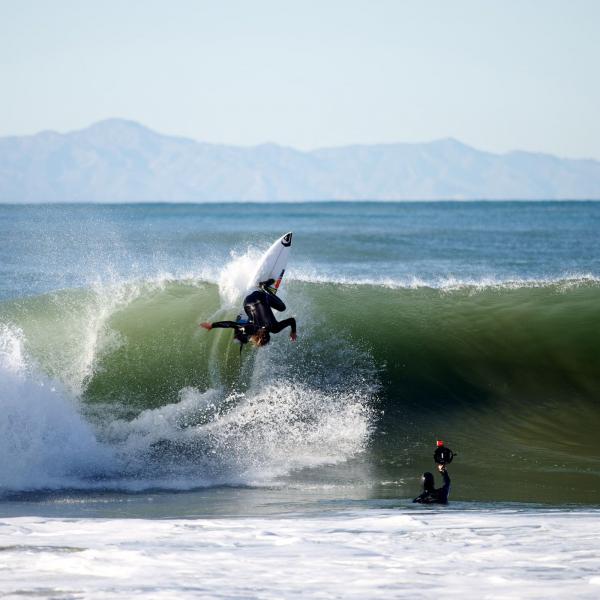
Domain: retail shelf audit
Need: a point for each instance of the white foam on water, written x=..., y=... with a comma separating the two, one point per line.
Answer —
x=402, y=553
x=44, y=441
x=211, y=438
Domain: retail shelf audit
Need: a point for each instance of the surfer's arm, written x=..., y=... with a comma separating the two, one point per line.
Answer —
x=445, y=489
x=221, y=325
x=280, y=325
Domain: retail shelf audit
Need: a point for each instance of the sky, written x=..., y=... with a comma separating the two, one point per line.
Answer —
x=497, y=75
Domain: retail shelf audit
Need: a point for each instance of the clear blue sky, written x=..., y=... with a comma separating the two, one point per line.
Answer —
x=499, y=75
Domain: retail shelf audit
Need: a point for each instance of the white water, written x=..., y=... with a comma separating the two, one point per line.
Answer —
x=209, y=437
x=44, y=442
x=401, y=553
x=267, y=434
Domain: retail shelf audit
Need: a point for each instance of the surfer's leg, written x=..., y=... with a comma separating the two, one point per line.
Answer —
x=249, y=312
x=266, y=284
x=275, y=302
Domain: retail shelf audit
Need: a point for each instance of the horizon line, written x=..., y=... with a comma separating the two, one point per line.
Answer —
x=261, y=202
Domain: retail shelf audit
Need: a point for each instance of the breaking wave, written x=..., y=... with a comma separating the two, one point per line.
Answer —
x=116, y=386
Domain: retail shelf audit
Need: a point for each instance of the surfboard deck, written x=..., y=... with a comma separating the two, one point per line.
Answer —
x=272, y=264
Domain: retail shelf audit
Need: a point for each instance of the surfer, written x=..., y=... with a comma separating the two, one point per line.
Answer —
x=430, y=494
x=261, y=322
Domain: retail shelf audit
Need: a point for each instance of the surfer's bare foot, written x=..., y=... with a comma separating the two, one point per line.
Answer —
x=206, y=326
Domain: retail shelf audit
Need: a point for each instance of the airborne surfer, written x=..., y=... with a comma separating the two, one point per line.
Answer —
x=261, y=321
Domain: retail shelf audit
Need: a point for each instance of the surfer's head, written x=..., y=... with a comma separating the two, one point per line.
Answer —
x=261, y=338
x=428, y=482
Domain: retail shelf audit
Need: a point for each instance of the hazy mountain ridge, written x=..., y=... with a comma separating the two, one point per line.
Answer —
x=122, y=161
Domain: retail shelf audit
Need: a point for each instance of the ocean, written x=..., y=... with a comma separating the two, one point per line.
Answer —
x=144, y=456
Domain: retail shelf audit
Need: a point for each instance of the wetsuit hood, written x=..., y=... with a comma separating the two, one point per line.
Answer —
x=240, y=337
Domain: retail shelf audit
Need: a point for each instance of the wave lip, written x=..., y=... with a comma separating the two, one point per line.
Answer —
x=448, y=283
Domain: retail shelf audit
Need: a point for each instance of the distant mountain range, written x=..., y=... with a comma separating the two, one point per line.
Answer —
x=122, y=161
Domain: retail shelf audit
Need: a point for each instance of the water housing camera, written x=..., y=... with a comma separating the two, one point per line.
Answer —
x=442, y=455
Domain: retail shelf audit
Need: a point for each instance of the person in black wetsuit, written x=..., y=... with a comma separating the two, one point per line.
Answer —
x=258, y=306
x=430, y=494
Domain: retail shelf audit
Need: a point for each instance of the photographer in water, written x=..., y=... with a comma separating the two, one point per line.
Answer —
x=431, y=494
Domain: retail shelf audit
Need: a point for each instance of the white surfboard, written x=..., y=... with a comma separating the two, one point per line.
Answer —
x=273, y=263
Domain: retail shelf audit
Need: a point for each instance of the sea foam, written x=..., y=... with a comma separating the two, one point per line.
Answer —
x=466, y=553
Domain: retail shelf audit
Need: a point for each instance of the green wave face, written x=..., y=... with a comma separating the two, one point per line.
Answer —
x=507, y=375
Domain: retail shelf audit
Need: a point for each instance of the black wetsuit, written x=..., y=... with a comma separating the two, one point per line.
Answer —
x=259, y=307
x=436, y=496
